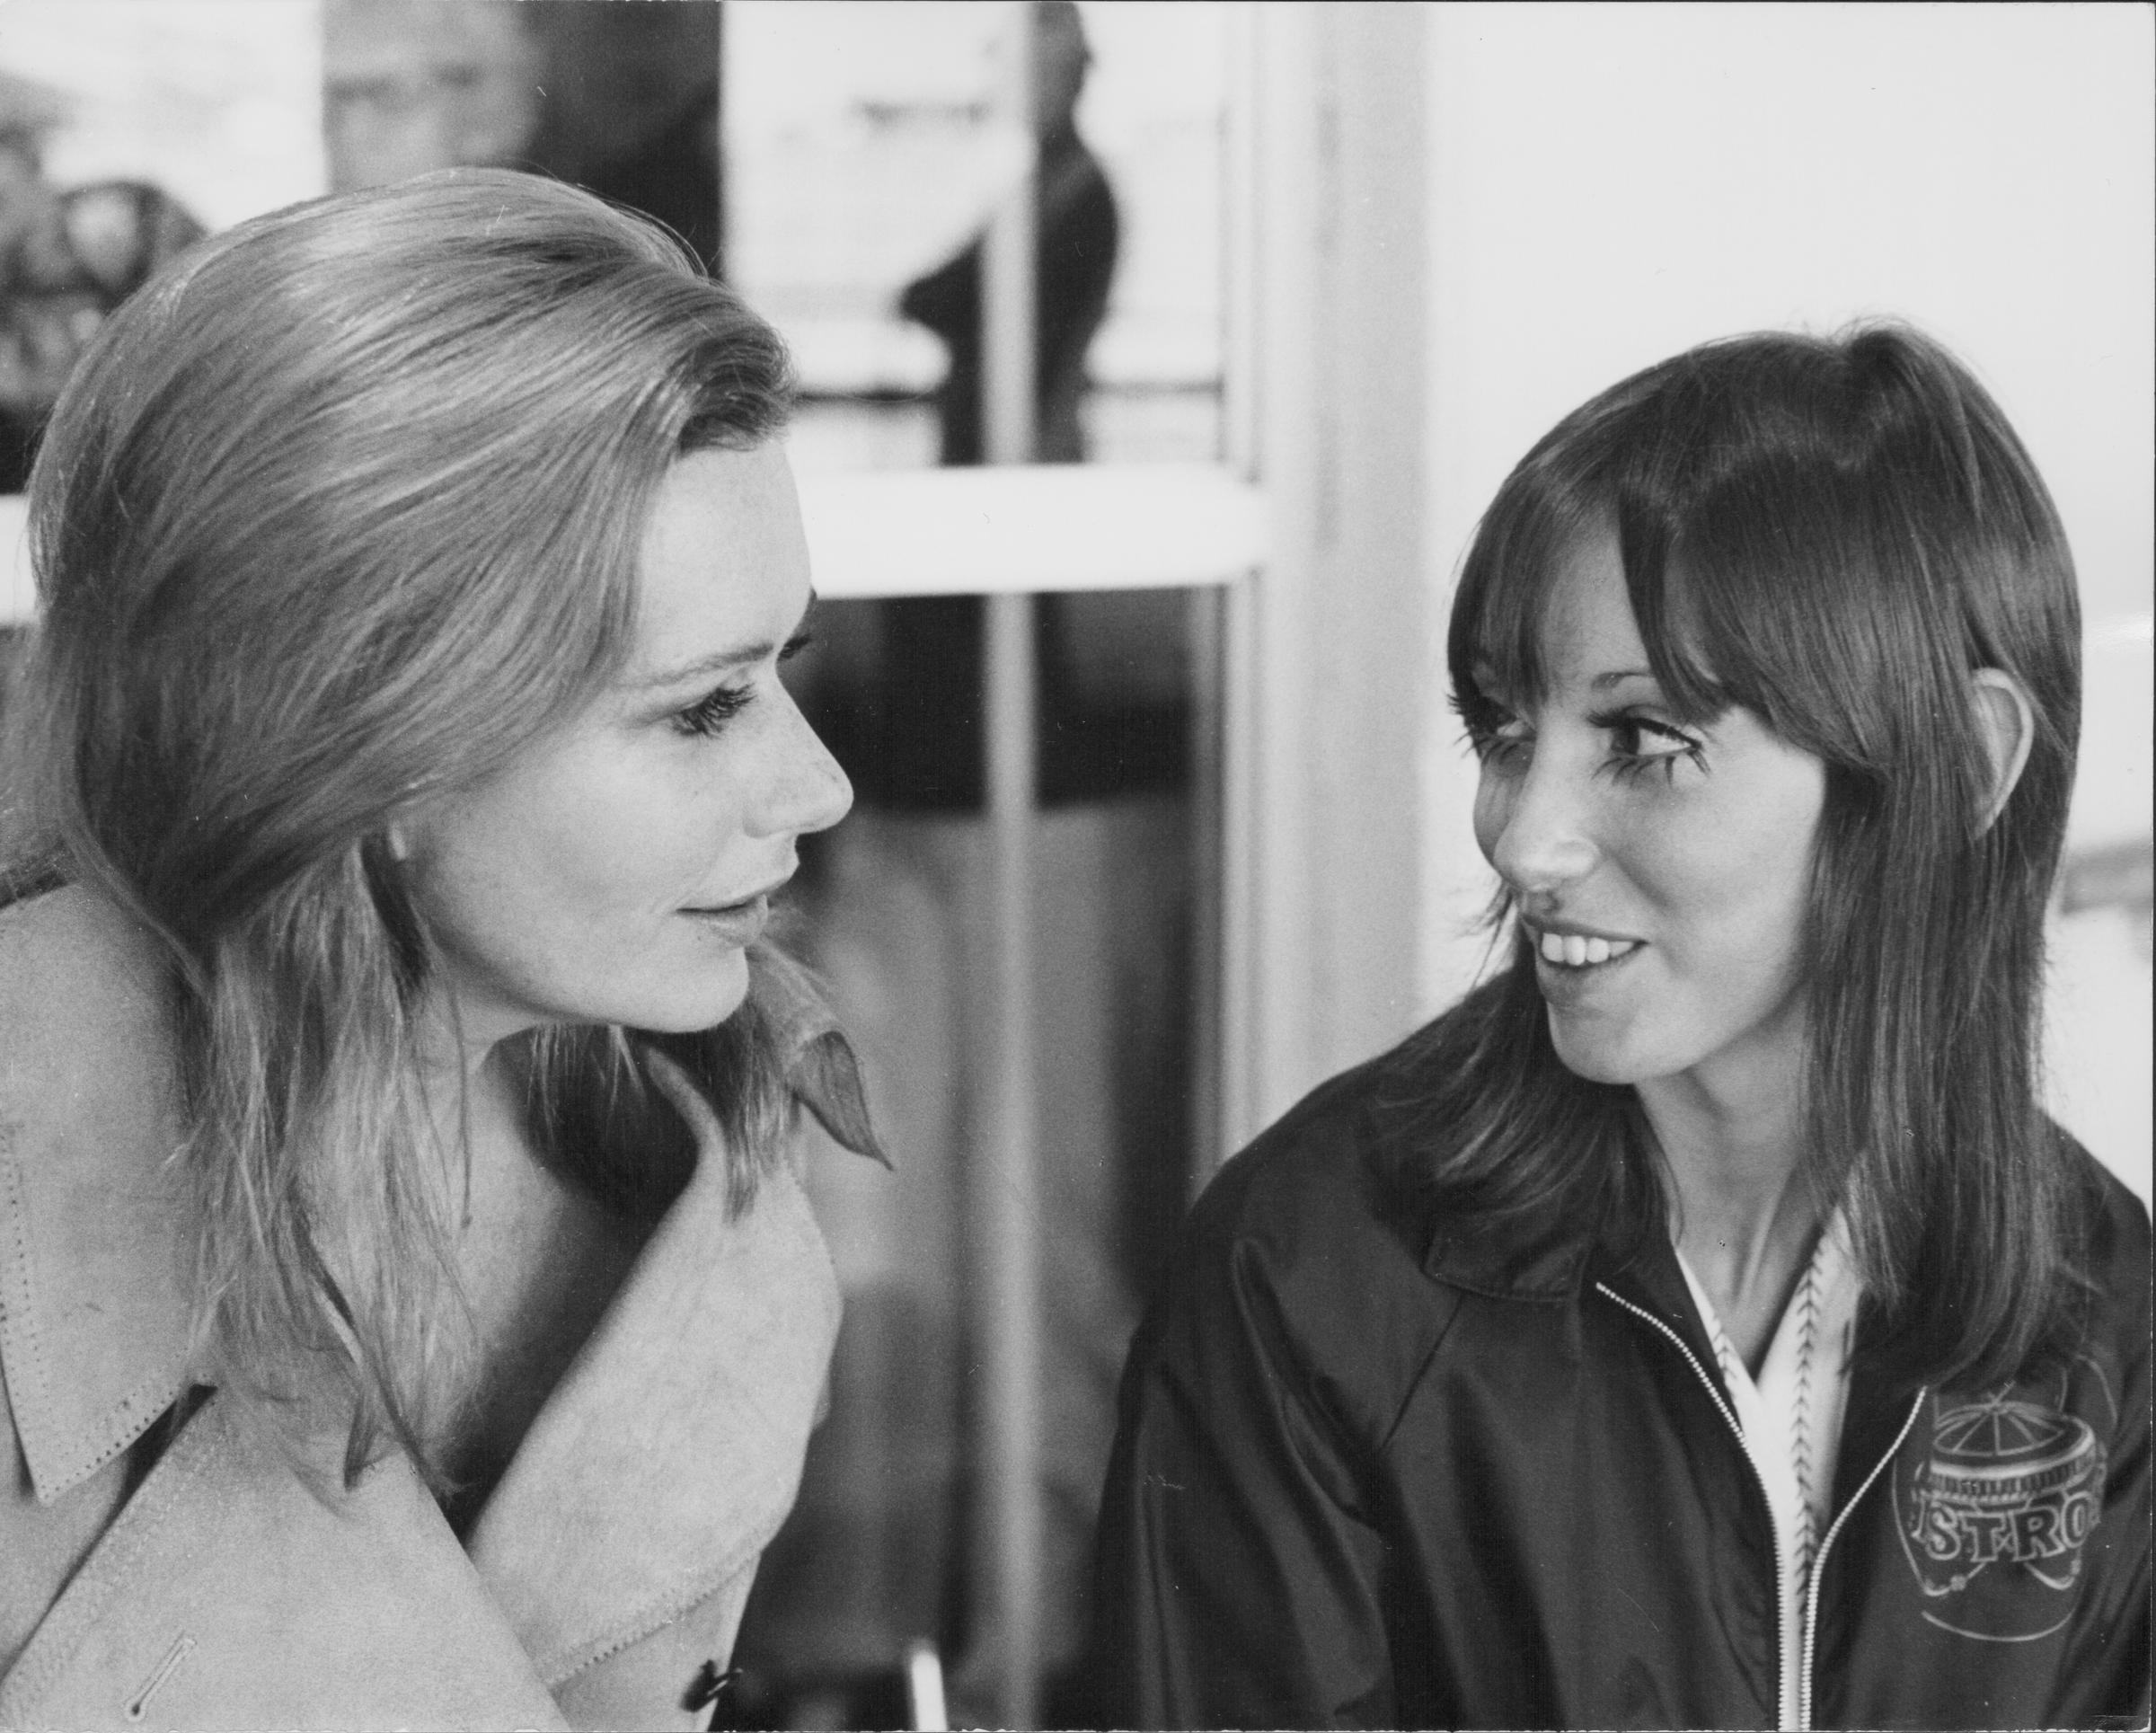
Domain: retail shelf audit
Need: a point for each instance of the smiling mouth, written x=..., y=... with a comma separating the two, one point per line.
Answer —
x=1573, y=950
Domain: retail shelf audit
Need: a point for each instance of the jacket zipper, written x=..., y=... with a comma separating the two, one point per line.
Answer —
x=1811, y=1586
x=1787, y=1703
x=1795, y=1708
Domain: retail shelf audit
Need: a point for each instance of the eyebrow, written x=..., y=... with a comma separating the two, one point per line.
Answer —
x=1618, y=677
x=724, y=660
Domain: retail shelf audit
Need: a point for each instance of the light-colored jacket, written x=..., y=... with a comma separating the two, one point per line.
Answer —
x=612, y=1560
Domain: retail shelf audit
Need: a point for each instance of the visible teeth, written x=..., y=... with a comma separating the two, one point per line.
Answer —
x=1572, y=950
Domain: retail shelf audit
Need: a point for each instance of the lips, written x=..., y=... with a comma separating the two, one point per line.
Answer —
x=744, y=906
x=741, y=922
x=1579, y=947
x=756, y=901
x=735, y=924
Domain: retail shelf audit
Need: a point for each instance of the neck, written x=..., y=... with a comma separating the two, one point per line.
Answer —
x=474, y=1099
x=1745, y=1220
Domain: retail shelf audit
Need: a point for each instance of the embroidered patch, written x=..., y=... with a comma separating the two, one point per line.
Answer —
x=1993, y=1518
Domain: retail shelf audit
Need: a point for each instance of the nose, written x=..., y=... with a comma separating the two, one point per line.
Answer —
x=1536, y=828
x=807, y=791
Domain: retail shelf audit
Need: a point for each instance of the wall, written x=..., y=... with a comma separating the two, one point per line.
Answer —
x=1327, y=280
x=1610, y=183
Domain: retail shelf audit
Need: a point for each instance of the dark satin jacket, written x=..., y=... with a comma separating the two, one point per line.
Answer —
x=1377, y=1470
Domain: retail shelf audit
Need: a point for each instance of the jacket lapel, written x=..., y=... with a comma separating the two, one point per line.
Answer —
x=93, y=1252
x=703, y=1379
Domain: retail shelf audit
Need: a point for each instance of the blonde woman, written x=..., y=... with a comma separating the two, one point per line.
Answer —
x=407, y=1313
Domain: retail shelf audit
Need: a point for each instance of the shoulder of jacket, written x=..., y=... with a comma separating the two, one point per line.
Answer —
x=1310, y=1235
x=2120, y=1245
x=2115, y=1248
x=2121, y=1277
x=1327, y=1167
x=93, y=1246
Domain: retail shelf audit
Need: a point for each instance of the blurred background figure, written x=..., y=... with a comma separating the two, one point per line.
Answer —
x=911, y=748
x=410, y=85
x=1075, y=263
x=620, y=99
x=68, y=256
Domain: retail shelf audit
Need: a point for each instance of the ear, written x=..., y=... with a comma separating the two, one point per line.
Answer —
x=2008, y=722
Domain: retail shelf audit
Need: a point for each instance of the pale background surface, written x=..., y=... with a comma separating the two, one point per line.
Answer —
x=1612, y=183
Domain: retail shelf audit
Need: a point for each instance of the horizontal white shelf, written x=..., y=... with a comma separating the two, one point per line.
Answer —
x=958, y=532
x=842, y=353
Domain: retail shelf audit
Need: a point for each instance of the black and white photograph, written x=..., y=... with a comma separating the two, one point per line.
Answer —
x=1076, y=863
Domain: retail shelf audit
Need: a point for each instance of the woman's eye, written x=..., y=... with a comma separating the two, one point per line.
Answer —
x=717, y=708
x=712, y=711
x=1502, y=745
x=1640, y=742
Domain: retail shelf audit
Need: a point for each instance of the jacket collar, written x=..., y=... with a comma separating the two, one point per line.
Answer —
x=94, y=1262
x=701, y=1383
x=1552, y=1258
x=1541, y=1257
x=96, y=1250
x=1556, y=1253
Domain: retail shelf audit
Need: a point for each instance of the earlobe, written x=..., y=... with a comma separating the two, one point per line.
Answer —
x=2008, y=721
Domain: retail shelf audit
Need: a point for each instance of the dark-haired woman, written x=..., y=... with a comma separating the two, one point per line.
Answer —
x=1701, y=1323
x=407, y=1313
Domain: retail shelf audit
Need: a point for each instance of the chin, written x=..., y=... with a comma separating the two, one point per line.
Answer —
x=701, y=999
x=1598, y=1062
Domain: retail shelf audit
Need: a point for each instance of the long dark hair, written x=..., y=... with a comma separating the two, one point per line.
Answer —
x=336, y=513
x=1832, y=533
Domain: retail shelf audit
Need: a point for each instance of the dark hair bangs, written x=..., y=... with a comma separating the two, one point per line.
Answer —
x=1494, y=642
x=1536, y=527
x=1763, y=594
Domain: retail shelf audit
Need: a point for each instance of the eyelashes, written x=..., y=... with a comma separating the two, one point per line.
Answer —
x=1638, y=743
x=1483, y=722
x=713, y=710
x=1630, y=734
x=709, y=714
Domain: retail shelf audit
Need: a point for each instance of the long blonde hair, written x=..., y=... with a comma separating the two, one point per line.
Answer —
x=336, y=513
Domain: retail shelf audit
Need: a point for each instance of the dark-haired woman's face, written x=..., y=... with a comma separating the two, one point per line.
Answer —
x=619, y=868
x=1660, y=866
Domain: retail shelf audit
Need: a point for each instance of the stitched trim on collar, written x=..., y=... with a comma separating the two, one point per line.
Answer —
x=93, y=1309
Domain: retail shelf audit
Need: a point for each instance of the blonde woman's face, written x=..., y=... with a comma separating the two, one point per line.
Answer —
x=617, y=870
